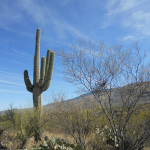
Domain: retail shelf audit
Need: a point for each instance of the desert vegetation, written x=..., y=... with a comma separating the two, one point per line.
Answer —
x=117, y=117
x=84, y=125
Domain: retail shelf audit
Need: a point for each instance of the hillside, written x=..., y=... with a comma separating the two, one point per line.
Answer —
x=115, y=97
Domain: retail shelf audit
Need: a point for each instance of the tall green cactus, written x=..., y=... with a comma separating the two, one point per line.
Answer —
x=41, y=79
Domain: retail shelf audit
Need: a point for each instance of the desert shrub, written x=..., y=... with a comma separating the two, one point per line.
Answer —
x=55, y=144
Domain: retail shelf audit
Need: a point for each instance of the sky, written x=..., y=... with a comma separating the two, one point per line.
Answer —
x=61, y=22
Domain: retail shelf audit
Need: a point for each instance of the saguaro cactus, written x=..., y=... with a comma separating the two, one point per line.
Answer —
x=41, y=79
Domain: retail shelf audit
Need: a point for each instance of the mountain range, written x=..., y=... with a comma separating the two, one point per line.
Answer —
x=115, y=97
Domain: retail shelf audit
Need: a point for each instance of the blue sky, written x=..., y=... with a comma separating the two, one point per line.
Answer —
x=61, y=21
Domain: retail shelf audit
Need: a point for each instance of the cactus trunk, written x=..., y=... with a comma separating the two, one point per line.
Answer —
x=41, y=79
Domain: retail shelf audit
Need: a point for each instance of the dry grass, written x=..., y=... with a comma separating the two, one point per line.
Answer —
x=30, y=142
x=8, y=138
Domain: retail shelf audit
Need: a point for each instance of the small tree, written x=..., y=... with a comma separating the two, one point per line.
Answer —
x=75, y=119
x=105, y=71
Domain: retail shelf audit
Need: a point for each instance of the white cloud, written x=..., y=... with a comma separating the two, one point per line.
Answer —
x=8, y=15
x=42, y=14
x=21, y=53
x=11, y=82
x=64, y=2
x=15, y=55
x=10, y=86
x=12, y=91
x=45, y=15
x=9, y=69
x=131, y=14
x=63, y=26
x=14, y=61
x=128, y=37
x=115, y=7
x=61, y=82
x=10, y=73
x=20, y=33
x=107, y=24
x=35, y=10
x=126, y=5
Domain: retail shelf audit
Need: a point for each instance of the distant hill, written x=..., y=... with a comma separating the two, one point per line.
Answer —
x=115, y=97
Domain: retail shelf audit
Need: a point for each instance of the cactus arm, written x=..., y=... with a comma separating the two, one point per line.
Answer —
x=37, y=58
x=51, y=65
x=27, y=81
x=46, y=85
x=41, y=82
x=47, y=62
x=34, y=71
x=29, y=89
x=49, y=72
